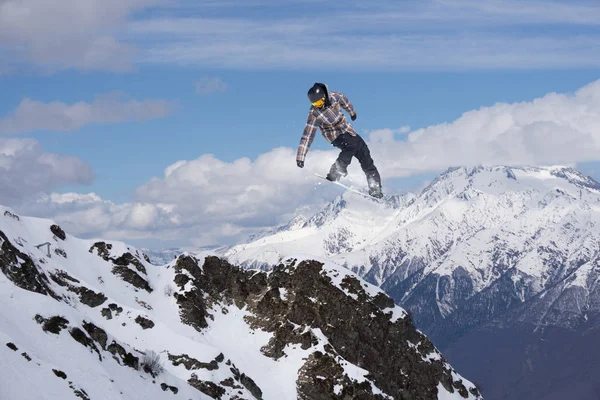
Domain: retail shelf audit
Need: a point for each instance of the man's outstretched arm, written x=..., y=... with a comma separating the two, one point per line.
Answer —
x=307, y=138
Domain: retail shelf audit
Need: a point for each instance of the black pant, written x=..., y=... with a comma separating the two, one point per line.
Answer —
x=354, y=146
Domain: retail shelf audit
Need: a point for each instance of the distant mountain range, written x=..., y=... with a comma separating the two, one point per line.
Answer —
x=498, y=265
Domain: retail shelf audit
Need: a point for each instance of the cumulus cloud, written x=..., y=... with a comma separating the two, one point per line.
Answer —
x=245, y=193
x=26, y=170
x=208, y=85
x=209, y=201
x=68, y=33
x=199, y=202
x=554, y=129
x=32, y=115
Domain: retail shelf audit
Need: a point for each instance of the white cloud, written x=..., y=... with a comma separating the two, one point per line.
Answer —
x=33, y=115
x=208, y=85
x=115, y=35
x=199, y=202
x=554, y=129
x=26, y=170
x=68, y=33
x=209, y=201
x=430, y=34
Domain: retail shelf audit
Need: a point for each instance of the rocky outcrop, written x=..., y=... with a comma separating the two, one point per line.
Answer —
x=207, y=387
x=59, y=373
x=145, y=323
x=53, y=324
x=102, y=249
x=129, y=259
x=80, y=336
x=132, y=277
x=21, y=270
x=192, y=364
x=96, y=333
x=166, y=387
x=294, y=301
x=58, y=232
x=122, y=265
x=90, y=298
x=108, y=311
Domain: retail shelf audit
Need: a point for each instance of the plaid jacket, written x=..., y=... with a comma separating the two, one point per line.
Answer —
x=330, y=119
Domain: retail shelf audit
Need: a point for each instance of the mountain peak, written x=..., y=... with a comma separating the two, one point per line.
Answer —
x=508, y=178
x=199, y=327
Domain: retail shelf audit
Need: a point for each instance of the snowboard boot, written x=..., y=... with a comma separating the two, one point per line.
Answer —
x=336, y=172
x=374, y=186
x=376, y=192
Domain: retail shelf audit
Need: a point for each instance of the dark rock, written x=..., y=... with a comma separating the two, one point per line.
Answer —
x=26, y=356
x=53, y=325
x=79, y=392
x=166, y=387
x=89, y=297
x=251, y=386
x=192, y=305
x=127, y=358
x=106, y=313
x=130, y=276
x=209, y=388
x=143, y=304
x=12, y=346
x=128, y=259
x=11, y=215
x=60, y=252
x=247, y=382
x=180, y=280
x=102, y=249
x=58, y=232
x=60, y=374
x=96, y=333
x=229, y=382
x=356, y=328
x=191, y=363
x=145, y=323
x=21, y=270
x=84, y=340
x=319, y=376
x=383, y=301
x=61, y=278
x=116, y=308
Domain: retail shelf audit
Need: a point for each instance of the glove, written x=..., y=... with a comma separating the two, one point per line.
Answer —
x=353, y=117
x=300, y=164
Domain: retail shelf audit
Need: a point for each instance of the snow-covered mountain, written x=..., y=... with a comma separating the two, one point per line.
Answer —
x=500, y=246
x=96, y=320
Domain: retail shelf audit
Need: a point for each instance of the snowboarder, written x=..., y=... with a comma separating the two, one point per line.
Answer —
x=326, y=114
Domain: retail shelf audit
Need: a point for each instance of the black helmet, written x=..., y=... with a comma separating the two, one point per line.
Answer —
x=317, y=92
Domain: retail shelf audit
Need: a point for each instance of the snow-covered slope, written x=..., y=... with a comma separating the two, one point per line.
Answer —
x=487, y=253
x=466, y=232
x=96, y=320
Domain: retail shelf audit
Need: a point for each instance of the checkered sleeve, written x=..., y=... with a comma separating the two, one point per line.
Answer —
x=307, y=137
x=345, y=103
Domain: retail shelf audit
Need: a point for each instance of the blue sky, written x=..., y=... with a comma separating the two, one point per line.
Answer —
x=175, y=122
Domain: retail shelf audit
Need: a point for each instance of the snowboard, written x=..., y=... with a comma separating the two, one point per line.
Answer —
x=351, y=189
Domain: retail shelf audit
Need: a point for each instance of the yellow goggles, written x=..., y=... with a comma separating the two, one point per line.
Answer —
x=319, y=103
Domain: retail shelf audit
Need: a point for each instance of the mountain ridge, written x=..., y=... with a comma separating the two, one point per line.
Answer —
x=96, y=319
x=477, y=252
